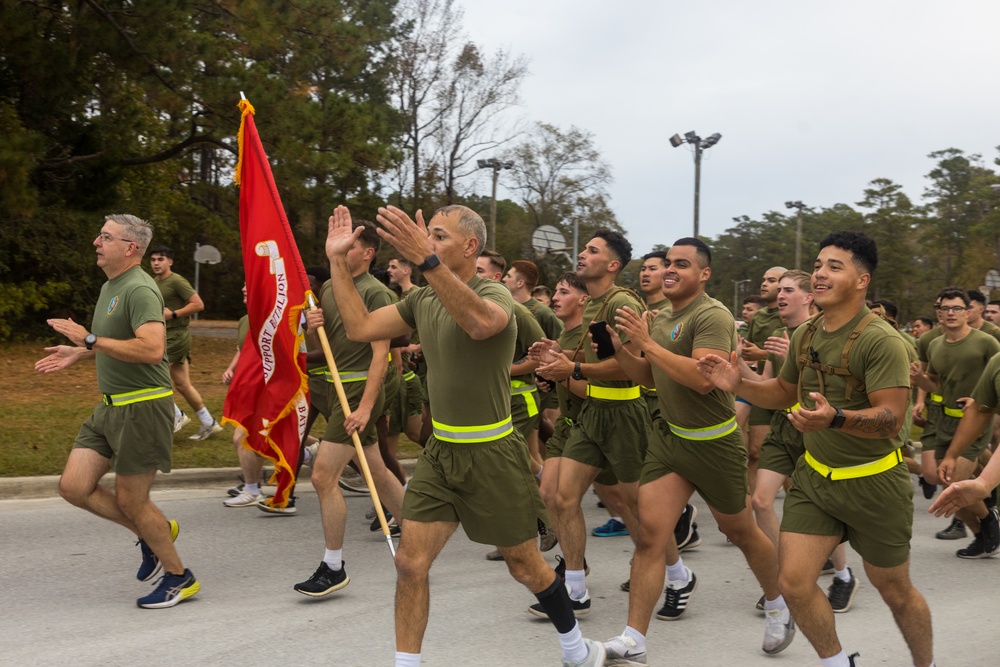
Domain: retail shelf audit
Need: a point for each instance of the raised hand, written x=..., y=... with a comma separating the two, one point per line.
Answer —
x=339, y=236
x=405, y=235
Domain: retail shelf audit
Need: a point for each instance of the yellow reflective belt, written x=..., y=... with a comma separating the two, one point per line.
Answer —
x=473, y=434
x=937, y=398
x=887, y=462
x=390, y=357
x=613, y=393
x=409, y=375
x=953, y=412
x=652, y=389
x=707, y=433
x=345, y=376
x=522, y=387
x=795, y=407
x=136, y=396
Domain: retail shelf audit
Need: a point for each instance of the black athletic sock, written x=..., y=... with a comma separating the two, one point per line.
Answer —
x=555, y=602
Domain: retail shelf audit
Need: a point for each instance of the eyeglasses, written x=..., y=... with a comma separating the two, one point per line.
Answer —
x=107, y=238
x=951, y=309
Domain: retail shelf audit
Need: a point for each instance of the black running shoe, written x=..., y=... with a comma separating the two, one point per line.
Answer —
x=955, y=531
x=975, y=550
x=684, y=528
x=828, y=567
x=928, y=488
x=693, y=542
x=677, y=597
x=376, y=525
x=324, y=581
x=851, y=657
x=990, y=530
x=580, y=607
x=841, y=593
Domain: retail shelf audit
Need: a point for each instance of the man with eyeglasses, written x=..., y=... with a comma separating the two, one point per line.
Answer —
x=130, y=431
x=955, y=363
x=180, y=303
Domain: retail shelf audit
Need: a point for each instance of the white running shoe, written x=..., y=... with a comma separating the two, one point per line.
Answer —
x=243, y=499
x=779, y=630
x=181, y=422
x=622, y=650
x=595, y=656
x=206, y=432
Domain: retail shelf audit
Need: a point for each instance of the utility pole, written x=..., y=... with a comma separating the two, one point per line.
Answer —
x=496, y=166
x=798, y=231
x=699, y=146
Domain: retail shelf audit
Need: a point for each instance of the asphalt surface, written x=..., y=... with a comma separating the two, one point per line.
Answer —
x=68, y=590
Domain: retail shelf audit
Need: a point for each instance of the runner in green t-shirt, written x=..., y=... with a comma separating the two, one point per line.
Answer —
x=131, y=430
x=851, y=481
x=955, y=363
x=474, y=470
x=362, y=368
x=696, y=447
x=180, y=302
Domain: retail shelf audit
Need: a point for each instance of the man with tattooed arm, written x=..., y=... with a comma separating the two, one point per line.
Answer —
x=849, y=370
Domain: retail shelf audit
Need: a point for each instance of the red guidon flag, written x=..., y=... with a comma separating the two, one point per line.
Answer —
x=269, y=395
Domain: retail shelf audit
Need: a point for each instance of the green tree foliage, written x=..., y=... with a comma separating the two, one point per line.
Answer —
x=122, y=106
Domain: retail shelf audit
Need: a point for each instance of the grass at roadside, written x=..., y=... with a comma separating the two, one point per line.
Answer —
x=43, y=413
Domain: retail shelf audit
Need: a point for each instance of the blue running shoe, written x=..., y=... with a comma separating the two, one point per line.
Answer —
x=172, y=589
x=150, y=565
x=613, y=528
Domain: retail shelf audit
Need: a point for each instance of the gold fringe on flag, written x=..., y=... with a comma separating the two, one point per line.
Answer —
x=245, y=108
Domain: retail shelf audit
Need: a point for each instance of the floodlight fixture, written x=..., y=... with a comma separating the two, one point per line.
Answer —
x=676, y=141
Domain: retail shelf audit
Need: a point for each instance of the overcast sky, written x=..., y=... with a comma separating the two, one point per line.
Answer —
x=813, y=99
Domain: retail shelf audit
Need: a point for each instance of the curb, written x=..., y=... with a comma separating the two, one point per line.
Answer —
x=47, y=486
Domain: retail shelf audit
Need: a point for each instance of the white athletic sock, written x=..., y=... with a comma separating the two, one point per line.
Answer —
x=640, y=639
x=678, y=571
x=177, y=412
x=618, y=519
x=839, y=660
x=407, y=659
x=573, y=648
x=844, y=575
x=252, y=489
x=334, y=558
x=576, y=583
x=205, y=417
x=538, y=475
x=776, y=603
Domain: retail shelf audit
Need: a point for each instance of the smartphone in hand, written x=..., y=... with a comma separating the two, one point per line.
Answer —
x=599, y=333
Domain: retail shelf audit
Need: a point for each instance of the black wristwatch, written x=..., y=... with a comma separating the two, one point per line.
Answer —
x=173, y=314
x=577, y=373
x=838, y=419
x=89, y=341
x=429, y=263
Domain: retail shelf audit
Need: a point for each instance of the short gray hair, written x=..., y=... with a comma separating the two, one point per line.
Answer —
x=135, y=228
x=469, y=223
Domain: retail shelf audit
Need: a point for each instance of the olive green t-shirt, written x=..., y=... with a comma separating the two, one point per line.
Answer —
x=991, y=329
x=662, y=304
x=878, y=358
x=468, y=381
x=703, y=323
x=763, y=324
x=176, y=291
x=242, y=329
x=987, y=391
x=590, y=314
x=924, y=342
x=529, y=332
x=349, y=355
x=959, y=365
x=551, y=325
x=127, y=302
x=569, y=403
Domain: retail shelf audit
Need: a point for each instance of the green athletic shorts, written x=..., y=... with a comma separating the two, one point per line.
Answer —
x=874, y=513
x=556, y=442
x=392, y=387
x=519, y=409
x=548, y=400
x=137, y=437
x=335, y=424
x=760, y=416
x=319, y=395
x=928, y=438
x=408, y=403
x=652, y=403
x=178, y=345
x=487, y=487
x=782, y=448
x=611, y=433
x=945, y=431
x=716, y=468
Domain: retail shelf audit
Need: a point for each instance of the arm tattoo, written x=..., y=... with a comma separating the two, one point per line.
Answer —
x=881, y=423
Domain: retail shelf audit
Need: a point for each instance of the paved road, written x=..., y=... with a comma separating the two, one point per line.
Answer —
x=68, y=590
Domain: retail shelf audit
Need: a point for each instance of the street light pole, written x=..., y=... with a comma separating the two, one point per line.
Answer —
x=736, y=296
x=699, y=146
x=496, y=166
x=798, y=231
